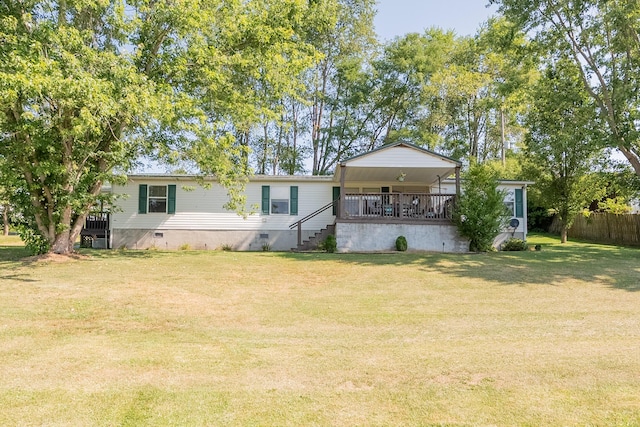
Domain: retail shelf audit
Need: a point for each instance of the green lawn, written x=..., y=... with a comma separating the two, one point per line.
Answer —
x=236, y=339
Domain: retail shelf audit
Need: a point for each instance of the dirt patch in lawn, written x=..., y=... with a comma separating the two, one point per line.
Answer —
x=51, y=257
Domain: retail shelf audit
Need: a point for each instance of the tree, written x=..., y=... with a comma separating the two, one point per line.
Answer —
x=5, y=191
x=480, y=213
x=478, y=95
x=563, y=145
x=4, y=208
x=321, y=118
x=601, y=38
x=88, y=87
x=343, y=31
x=402, y=106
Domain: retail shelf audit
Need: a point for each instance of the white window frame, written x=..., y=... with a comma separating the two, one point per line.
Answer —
x=510, y=202
x=280, y=195
x=164, y=198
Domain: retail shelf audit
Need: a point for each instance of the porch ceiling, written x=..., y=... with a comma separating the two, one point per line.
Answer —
x=412, y=175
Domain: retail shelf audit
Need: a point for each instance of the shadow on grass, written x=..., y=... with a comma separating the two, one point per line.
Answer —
x=13, y=256
x=18, y=278
x=617, y=267
x=117, y=253
x=12, y=253
x=9, y=255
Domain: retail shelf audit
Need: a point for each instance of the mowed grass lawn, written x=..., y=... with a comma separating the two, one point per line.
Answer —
x=237, y=339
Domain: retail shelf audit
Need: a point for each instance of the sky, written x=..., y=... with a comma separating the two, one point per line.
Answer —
x=398, y=17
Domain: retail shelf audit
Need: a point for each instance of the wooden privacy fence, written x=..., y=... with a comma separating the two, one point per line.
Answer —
x=605, y=228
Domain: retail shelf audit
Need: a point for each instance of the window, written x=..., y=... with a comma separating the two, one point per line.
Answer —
x=510, y=208
x=280, y=200
x=514, y=203
x=279, y=206
x=157, y=198
x=509, y=203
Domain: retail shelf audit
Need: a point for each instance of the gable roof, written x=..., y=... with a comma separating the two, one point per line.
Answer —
x=421, y=151
x=386, y=163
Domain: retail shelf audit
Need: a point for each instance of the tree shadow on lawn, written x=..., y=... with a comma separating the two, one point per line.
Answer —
x=8, y=257
x=10, y=253
x=13, y=257
x=617, y=267
x=120, y=253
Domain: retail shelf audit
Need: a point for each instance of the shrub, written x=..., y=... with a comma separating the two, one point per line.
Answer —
x=34, y=242
x=539, y=219
x=514, y=245
x=266, y=247
x=185, y=247
x=479, y=213
x=330, y=245
x=226, y=247
x=401, y=243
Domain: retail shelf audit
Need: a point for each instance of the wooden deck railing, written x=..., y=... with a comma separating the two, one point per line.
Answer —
x=405, y=206
x=97, y=221
x=96, y=226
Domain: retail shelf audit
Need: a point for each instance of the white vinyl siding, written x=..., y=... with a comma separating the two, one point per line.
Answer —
x=202, y=209
x=401, y=157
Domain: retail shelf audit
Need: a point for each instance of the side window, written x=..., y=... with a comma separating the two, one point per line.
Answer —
x=279, y=206
x=509, y=203
x=157, y=198
x=279, y=200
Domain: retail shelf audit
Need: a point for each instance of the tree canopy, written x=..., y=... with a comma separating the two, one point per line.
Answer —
x=601, y=37
x=89, y=87
x=563, y=144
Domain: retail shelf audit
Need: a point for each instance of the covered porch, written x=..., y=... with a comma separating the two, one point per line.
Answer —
x=397, y=190
x=398, y=182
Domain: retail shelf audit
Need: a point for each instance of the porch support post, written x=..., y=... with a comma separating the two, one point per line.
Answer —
x=343, y=172
x=457, y=181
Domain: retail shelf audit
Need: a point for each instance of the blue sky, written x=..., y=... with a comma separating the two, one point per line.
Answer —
x=398, y=17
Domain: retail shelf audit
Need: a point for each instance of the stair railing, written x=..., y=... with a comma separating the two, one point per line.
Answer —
x=308, y=217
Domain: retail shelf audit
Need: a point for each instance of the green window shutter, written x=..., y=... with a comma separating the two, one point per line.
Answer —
x=266, y=199
x=519, y=204
x=171, y=199
x=336, y=195
x=293, y=200
x=142, y=199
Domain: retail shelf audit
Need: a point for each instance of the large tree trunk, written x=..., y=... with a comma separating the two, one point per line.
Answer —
x=62, y=244
x=563, y=233
x=5, y=220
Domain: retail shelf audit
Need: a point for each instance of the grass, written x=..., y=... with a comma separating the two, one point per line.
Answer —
x=264, y=338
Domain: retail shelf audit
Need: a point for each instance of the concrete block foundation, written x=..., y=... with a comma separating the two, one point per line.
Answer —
x=372, y=237
x=237, y=240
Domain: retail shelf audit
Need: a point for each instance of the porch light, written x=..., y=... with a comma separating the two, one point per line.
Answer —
x=400, y=177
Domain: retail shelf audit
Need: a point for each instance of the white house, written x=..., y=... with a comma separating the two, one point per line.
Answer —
x=399, y=189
